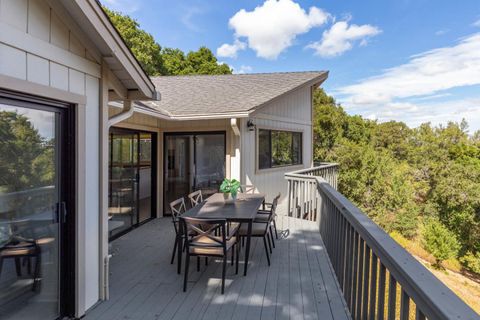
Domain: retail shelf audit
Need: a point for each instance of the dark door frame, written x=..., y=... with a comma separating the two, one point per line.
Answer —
x=137, y=133
x=66, y=210
x=186, y=133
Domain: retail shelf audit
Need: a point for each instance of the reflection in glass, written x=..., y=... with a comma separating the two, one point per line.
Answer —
x=130, y=193
x=279, y=148
x=123, y=182
x=29, y=233
x=193, y=162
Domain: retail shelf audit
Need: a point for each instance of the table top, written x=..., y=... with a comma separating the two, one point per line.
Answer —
x=215, y=207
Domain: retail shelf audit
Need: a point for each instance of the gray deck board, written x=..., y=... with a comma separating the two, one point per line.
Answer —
x=299, y=284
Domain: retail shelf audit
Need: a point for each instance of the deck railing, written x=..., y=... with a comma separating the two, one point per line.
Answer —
x=302, y=189
x=379, y=279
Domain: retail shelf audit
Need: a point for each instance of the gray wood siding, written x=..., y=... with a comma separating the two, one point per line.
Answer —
x=292, y=112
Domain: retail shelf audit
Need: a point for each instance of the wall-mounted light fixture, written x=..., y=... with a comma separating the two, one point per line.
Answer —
x=250, y=125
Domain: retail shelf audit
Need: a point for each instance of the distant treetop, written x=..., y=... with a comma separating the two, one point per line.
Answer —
x=156, y=60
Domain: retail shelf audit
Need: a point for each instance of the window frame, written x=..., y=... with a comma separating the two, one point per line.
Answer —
x=278, y=167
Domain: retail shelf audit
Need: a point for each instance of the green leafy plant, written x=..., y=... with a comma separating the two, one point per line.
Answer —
x=471, y=261
x=440, y=242
x=230, y=186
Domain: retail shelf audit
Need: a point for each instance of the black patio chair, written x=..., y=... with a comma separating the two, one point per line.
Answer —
x=267, y=207
x=205, y=243
x=262, y=227
x=178, y=208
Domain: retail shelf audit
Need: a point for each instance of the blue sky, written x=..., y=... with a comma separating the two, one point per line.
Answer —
x=408, y=60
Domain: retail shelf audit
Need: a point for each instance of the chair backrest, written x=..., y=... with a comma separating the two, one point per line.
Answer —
x=195, y=198
x=178, y=208
x=273, y=208
x=275, y=202
x=205, y=229
x=247, y=188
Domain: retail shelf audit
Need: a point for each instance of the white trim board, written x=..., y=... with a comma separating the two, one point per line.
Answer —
x=24, y=86
x=265, y=116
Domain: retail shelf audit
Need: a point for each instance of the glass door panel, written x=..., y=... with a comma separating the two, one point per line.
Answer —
x=209, y=163
x=178, y=167
x=123, y=193
x=30, y=190
x=145, y=177
x=193, y=162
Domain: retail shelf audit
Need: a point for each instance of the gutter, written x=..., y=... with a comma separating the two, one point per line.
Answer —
x=126, y=113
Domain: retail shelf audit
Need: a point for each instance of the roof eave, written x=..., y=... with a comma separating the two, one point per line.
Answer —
x=113, y=45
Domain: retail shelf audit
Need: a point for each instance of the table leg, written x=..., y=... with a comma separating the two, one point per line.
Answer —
x=247, y=250
x=179, y=252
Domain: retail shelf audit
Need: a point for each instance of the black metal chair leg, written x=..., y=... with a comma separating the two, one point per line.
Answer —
x=36, y=274
x=174, y=251
x=224, y=270
x=233, y=255
x=18, y=267
x=206, y=261
x=185, y=279
x=268, y=240
x=238, y=257
x=271, y=236
x=275, y=228
x=266, y=250
x=198, y=263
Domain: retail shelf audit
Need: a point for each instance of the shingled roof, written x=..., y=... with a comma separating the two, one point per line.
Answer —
x=202, y=95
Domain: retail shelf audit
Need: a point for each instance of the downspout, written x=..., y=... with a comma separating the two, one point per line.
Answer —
x=234, y=125
x=126, y=113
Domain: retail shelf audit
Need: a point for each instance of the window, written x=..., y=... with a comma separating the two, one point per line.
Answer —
x=279, y=148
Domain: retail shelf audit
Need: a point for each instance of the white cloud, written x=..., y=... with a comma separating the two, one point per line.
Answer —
x=425, y=74
x=243, y=69
x=188, y=15
x=272, y=27
x=340, y=38
x=476, y=23
x=420, y=90
x=442, y=32
x=433, y=112
x=230, y=50
x=124, y=6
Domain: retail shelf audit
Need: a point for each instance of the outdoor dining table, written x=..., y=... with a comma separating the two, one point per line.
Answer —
x=242, y=210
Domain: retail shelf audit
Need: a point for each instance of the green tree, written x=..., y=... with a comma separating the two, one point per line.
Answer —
x=440, y=242
x=167, y=61
x=471, y=261
x=143, y=45
x=26, y=159
x=400, y=176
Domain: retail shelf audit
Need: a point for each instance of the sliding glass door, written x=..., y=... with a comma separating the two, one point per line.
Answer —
x=33, y=209
x=193, y=162
x=132, y=177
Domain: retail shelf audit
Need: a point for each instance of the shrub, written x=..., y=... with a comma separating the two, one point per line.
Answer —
x=440, y=242
x=471, y=261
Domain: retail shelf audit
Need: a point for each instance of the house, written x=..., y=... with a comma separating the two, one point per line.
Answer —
x=91, y=148
x=251, y=127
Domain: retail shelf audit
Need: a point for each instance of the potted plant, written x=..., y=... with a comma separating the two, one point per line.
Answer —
x=230, y=187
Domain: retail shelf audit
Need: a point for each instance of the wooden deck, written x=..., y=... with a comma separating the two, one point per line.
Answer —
x=300, y=283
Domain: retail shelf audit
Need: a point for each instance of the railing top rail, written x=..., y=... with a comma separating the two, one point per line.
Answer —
x=435, y=299
x=320, y=166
